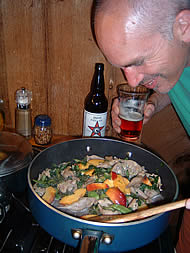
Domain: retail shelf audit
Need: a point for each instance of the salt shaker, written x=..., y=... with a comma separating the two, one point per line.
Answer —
x=42, y=130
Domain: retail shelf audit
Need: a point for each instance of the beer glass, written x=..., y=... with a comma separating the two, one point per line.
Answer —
x=131, y=110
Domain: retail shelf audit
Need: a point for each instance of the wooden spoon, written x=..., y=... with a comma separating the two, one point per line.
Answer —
x=139, y=214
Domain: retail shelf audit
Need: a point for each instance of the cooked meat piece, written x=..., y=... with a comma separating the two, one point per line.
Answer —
x=67, y=186
x=153, y=196
x=67, y=173
x=107, y=164
x=150, y=193
x=39, y=190
x=105, y=203
x=93, y=157
x=133, y=205
x=89, y=181
x=139, y=193
x=128, y=199
x=136, y=181
x=155, y=199
x=78, y=208
x=131, y=166
x=119, y=169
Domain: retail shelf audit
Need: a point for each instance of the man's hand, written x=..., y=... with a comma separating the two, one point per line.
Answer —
x=116, y=122
x=149, y=111
x=156, y=102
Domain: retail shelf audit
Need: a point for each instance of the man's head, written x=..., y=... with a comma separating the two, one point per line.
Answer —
x=148, y=39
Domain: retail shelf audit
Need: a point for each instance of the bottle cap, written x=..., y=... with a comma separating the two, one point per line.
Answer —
x=99, y=66
x=43, y=120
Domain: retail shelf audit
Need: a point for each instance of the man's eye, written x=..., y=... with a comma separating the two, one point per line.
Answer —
x=140, y=63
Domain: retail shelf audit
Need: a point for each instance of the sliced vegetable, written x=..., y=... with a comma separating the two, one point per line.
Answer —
x=109, y=182
x=89, y=172
x=96, y=186
x=49, y=195
x=93, y=162
x=121, y=208
x=113, y=175
x=93, y=194
x=121, y=183
x=146, y=181
x=83, y=166
x=68, y=200
x=116, y=196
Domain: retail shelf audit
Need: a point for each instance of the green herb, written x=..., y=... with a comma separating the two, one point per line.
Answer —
x=121, y=208
x=127, y=174
x=93, y=194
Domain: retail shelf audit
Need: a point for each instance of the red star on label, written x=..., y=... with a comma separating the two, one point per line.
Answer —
x=96, y=129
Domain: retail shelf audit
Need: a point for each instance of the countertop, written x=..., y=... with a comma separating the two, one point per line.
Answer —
x=55, y=139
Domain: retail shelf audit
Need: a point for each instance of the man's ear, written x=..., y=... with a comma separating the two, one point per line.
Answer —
x=181, y=28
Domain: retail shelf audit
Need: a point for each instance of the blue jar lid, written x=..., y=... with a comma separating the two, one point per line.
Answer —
x=43, y=120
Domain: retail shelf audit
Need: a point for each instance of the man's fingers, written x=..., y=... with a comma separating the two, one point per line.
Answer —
x=115, y=106
x=116, y=122
x=148, y=112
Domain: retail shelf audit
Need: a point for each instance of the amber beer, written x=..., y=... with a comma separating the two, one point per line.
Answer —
x=131, y=110
x=131, y=125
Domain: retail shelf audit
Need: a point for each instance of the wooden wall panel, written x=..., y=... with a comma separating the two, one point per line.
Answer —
x=47, y=46
x=25, y=51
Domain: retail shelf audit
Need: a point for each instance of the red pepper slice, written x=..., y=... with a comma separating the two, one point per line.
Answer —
x=116, y=196
x=113, y=175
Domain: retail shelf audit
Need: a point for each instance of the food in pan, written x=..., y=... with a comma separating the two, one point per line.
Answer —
x=98, y=186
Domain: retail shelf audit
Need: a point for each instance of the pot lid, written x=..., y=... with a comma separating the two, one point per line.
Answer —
x=15, y=153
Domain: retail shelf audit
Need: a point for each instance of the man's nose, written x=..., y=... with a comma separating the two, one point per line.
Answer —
x=133, y=76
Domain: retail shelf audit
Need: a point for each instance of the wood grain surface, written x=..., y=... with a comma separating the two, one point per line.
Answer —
x=47, y=47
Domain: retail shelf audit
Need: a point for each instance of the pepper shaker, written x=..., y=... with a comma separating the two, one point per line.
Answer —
x=23, y=120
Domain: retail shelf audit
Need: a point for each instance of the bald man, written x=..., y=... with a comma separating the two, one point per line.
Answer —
x=149, y=40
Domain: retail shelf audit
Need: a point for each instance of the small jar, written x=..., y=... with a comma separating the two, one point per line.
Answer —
x=42, y=130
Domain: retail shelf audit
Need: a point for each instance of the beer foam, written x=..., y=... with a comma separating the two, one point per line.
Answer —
x=132, y=116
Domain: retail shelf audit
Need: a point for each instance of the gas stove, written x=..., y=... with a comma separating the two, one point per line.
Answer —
x=20, y=233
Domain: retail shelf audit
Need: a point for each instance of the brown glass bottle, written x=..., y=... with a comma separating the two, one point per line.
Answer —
x=96, y=105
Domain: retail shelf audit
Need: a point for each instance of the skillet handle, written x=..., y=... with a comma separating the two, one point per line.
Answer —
x=90, y=241
x=89, y=245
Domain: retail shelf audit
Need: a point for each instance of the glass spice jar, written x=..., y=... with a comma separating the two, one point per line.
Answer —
x=42, y=130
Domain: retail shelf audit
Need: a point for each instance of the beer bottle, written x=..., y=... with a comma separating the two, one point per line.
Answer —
x=96, y=105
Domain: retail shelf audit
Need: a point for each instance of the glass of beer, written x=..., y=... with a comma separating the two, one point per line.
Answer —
x=131, y=110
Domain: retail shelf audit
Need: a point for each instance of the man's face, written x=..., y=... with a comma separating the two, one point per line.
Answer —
x=145, y=59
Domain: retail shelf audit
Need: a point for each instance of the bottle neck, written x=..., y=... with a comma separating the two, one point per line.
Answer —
x=98, y=82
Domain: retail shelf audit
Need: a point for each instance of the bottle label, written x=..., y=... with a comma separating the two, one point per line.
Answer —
x=94, y=124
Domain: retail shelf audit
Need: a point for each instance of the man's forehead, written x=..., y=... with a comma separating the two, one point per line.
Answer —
x=117, y=16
